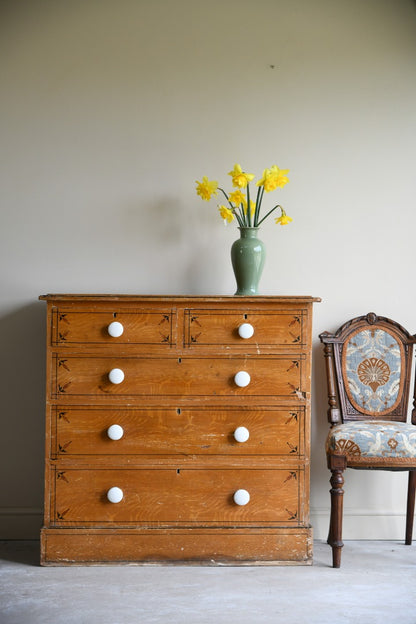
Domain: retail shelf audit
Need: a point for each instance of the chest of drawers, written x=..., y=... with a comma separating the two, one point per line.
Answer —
x=177, y=430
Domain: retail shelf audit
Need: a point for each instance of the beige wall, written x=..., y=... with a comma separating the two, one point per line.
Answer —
x=109, y=113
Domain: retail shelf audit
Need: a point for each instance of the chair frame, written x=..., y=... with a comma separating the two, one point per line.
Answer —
x=340, y=411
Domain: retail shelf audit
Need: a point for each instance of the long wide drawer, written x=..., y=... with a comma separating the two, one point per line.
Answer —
x=182, y=431
x=170, y=377
x=176, y=496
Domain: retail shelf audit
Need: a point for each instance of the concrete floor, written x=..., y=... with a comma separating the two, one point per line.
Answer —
x=376, y=583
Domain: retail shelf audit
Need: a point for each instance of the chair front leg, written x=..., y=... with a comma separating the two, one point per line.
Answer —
x=337, y=465
x=410, y=506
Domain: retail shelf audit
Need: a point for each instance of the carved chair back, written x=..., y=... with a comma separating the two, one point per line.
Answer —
x=369, y=366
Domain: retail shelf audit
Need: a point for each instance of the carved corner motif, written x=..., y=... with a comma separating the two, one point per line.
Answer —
x=62, y=447
x=292, y=514
x=292, y=416
x=63, y=388
x=292, y=475
x=61, y=514
x=295, y=364
x=293, y=448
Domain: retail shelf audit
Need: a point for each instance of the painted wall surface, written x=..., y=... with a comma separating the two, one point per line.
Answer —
x=110, y=111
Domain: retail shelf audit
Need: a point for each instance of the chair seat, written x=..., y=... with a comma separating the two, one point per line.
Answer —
x=378, y=444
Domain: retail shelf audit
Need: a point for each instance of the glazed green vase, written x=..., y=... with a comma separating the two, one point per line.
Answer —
x=247, y=256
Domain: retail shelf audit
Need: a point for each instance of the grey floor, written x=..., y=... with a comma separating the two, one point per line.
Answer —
x=376, y=583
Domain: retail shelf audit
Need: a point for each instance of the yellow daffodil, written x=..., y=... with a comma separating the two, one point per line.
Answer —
x=240, y=179
x=273, y=178
x=237, y=198
x=206, y=189
x=284, y=219
x=226, y=213
x=237, y=202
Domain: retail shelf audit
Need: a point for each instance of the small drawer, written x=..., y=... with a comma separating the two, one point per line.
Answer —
x=177, y=496
x=185, y=431
x=243, y=330
x=78, y=376
x=139, y=327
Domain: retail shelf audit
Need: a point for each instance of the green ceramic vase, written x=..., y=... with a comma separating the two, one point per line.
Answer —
x=247, y=256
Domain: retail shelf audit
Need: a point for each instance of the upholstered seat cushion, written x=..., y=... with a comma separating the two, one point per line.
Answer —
x=374, y=443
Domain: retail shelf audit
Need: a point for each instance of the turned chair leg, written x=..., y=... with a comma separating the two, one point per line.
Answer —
x=335, y=524
x=410, y=506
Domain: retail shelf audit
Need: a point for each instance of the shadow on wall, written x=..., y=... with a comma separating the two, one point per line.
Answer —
x=319, y=425
x=181, y=246
x=22, y=374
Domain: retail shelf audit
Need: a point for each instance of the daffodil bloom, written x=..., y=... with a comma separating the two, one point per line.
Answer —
x=280, y=176
x=206, y=189
x=240, y=179
x=226, y=213
x=237, y=202
x=273, y=178
x=237, y=198
x=284, y=219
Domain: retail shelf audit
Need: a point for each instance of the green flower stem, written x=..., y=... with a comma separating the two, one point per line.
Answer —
x=240, y=222
x=259, y=199
x=248, y=206
x=226, y=197
x=270, y=211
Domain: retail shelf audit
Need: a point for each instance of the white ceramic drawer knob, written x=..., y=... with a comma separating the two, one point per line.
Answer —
x=242, y=379
x=246, y=330
x=115, y=329
x=115, y=432
x=241, y=497
x=115, y=495
x=116, y=376
x=241, y=434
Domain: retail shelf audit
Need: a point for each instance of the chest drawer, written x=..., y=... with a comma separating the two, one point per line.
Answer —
x=136, y=327
x=245, y=330
x=176, y=496
x=185, y=431
x=174, y=377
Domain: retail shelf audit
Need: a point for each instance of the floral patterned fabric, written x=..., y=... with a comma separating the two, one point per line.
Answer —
x=372, y=366
x=374, y=443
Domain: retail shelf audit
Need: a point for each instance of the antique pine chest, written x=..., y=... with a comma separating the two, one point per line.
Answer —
x=177, y=430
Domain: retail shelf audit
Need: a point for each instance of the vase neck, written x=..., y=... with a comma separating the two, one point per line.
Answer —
x=248, y=232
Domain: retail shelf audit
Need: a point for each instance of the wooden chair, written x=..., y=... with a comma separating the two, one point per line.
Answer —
x=368, y=366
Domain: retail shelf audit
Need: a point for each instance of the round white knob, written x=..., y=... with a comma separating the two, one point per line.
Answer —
x=115, y=329
x=246, y=330
x=115, y=495
x=242, y=379
x=241, y=497
x=241, y=434
x=116, y=376
x=115, y=432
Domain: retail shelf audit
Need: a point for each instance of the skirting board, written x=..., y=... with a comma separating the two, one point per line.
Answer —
x=361, y=524
x=20, y=523
x=26, y=522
